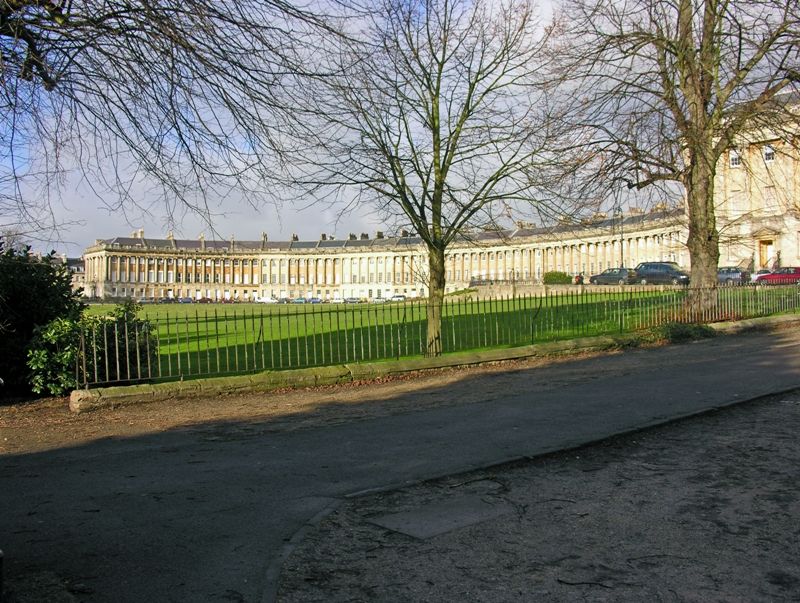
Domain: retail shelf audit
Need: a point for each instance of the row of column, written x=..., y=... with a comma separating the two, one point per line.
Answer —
x=461, y=266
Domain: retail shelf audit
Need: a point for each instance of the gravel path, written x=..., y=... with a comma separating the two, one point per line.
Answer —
x=707, y=509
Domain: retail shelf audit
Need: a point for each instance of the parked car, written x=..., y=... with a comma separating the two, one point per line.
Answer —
x=398, y=298
x=314, y=300
x=266, y=300
x=205, y=300
x=781, y=276
x=299, y=300
x=378, y=300
x=352, y=300
x=167, y=300
x=228, y=300
x=665, y=273
x=185, y=300
x=614, y=276
x=732, y=275
x=337, y=300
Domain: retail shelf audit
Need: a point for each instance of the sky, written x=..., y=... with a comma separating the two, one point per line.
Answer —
x=84, y=218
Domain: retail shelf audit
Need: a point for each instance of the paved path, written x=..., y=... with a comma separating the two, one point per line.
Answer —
x=203, y=514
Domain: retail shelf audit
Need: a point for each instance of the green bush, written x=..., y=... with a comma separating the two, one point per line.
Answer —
x=33, y=292
x=120, y=340
x=52, y=357
x=677, y=332
x=556, y=278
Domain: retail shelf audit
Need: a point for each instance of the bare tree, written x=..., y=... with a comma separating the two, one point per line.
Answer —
x=433, y=119
x=662, y=90
x=187, y=95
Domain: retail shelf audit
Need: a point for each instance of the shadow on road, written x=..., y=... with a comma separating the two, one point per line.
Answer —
x=199, y=511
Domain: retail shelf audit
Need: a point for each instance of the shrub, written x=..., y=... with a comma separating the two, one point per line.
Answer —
x=33, y=291
x=677, y=332
x=52, y=357
x=118, y=347
x=556, y=278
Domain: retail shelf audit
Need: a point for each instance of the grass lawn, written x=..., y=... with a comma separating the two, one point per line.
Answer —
x=214, y=339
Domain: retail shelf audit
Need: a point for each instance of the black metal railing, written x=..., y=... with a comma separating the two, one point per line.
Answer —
x=186, y=341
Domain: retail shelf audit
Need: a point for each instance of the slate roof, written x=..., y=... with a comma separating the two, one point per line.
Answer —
x=630, y=221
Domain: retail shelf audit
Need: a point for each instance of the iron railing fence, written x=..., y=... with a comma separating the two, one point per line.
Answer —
x=187, y=341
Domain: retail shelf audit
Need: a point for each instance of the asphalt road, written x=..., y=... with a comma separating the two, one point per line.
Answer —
x=206, y=514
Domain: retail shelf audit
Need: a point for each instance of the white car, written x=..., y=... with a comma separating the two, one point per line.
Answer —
x=756, y=273
x=266, y=300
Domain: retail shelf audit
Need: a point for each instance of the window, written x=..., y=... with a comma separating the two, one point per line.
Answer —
x=770, y=199
x=769, y=153
x=737, y=202
x=734, y=159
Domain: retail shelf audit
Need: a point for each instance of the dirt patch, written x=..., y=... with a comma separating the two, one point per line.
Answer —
x=47, y=423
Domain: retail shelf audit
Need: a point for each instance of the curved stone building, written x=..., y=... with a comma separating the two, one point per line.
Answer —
x=757, y=187
x=370, y=267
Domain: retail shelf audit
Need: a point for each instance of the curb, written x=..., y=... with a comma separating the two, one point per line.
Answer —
x=86, y=400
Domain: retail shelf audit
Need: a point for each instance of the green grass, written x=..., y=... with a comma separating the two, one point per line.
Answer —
x=213, y=339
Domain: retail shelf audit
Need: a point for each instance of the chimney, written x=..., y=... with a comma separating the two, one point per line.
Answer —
x=352, y=237
x=364, y=236
x=379, y=234
x=295, y=237
x=323, y=237
x=141, y=233
x=202, y=241
x=403, y=233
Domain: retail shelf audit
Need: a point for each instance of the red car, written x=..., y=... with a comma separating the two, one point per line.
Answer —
x=780, y=276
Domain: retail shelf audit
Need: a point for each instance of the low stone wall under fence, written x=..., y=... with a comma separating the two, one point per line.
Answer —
x=504, y=289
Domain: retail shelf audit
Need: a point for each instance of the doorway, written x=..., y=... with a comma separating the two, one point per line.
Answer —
x=766, y=250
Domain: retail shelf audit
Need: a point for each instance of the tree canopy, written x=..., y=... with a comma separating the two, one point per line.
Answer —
x=187, y=96
x=659, y=91
x=433, y=117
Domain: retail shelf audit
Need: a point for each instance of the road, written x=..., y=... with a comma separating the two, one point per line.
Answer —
x=207, y=513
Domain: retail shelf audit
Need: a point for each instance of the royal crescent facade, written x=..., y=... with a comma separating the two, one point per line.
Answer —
x=755, y=195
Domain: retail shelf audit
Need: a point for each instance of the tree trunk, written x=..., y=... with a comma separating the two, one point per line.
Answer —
x=436, y=282
x=703, y=241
